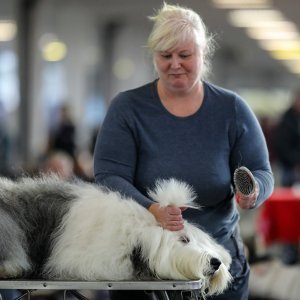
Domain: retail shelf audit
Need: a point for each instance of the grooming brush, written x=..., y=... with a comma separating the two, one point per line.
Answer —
x=244, y=181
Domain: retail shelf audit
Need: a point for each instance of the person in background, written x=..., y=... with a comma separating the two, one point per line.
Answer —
x=287, y=144
x=182, y=126
x=62, y=138
x=61, y=164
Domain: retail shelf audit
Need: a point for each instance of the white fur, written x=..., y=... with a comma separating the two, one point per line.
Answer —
x=173, y=192
x=98, y=234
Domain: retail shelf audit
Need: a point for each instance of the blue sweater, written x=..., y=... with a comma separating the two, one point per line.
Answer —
x=140, y=142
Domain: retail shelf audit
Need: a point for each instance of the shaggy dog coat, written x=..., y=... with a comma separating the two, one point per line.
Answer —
x=54, y=229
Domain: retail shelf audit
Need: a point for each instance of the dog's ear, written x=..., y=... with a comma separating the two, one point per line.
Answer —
x=140, y=264
x=173, y=192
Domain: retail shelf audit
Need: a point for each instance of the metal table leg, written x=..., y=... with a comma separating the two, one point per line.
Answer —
x=173, y=295
x=25, y=293
x=184, y=295
x=76, y=294
x=157, y=295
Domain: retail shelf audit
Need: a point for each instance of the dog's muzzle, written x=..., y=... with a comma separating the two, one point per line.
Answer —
x=214, y=265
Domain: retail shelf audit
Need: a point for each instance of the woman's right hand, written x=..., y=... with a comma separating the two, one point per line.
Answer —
x=169, y=217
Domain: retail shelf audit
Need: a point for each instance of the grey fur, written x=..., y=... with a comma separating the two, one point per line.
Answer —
x=30, y=212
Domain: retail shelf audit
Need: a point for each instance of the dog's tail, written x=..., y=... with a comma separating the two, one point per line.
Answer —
x=173, y=192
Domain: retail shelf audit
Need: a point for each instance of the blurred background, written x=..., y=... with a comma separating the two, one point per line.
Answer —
x=62, y=61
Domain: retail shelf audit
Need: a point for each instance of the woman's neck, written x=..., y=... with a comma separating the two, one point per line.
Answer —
x=183, y=103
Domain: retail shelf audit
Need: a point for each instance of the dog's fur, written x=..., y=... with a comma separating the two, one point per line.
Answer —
x=54, y=229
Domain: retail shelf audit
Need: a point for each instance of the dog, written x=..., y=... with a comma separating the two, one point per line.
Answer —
x=58, y=230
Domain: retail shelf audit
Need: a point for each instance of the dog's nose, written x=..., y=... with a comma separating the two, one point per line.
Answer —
x=215, y=263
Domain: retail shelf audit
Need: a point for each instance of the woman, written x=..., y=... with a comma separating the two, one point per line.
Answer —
x=184, y=127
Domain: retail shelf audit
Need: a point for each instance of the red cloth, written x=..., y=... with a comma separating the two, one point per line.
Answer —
x=279, y=217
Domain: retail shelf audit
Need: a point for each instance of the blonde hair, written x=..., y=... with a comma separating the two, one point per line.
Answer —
x=173, y=25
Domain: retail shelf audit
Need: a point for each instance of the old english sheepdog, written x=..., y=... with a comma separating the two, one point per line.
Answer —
x=53, y=229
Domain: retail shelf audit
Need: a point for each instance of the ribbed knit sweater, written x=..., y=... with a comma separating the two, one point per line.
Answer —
x=141, y=142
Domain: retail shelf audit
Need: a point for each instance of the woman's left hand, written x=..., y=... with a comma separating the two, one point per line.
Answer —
x=169, y=217
x=247, y=201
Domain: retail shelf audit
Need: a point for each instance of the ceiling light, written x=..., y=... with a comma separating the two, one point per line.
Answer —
x=285, y=55
x=238, y=4
x=264, y=33
x=8, y=30
x=248, y=18
x=273, y=45
x=273, y=25
x=54, y=51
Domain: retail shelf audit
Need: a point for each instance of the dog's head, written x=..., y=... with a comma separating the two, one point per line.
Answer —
x=189, y=254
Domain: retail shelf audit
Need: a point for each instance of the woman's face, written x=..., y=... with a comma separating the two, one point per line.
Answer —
x=179, y=69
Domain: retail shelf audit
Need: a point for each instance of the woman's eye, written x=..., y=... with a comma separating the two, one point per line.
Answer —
x=169, y=56
x=185, y=55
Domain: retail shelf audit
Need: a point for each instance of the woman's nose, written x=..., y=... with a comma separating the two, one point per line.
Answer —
x=175, y=62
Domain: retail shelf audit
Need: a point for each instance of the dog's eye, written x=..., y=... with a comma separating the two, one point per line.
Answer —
x=184, y=239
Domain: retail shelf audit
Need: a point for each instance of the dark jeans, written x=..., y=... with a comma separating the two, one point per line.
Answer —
x=239, y=269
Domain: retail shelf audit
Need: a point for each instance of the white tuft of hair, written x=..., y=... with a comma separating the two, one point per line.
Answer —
x=172, y=192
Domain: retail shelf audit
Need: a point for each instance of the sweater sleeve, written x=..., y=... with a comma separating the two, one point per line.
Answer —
x=250, y=149
x=115, y=153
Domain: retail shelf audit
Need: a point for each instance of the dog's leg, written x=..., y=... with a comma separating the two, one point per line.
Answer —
x=13, y=257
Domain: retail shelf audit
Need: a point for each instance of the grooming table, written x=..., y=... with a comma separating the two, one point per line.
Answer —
x=157, y=290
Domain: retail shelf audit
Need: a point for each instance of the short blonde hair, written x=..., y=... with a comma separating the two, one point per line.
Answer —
x=174, y=24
